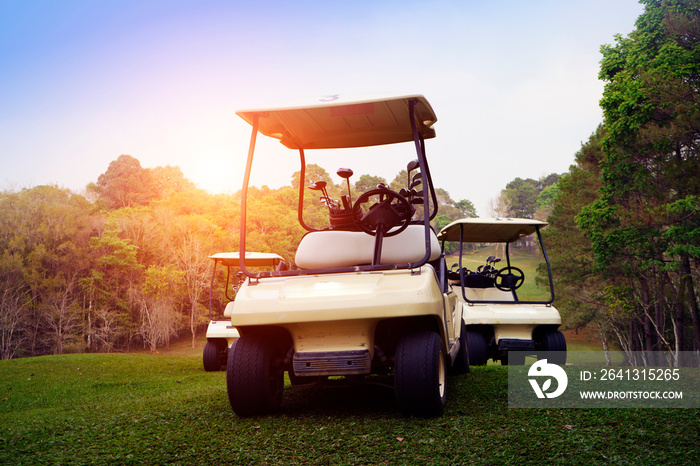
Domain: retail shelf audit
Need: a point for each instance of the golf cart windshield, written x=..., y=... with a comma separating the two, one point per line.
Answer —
x=496, y=257
x=333, y=122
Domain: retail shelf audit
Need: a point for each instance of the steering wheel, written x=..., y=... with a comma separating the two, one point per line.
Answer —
x=509, y=278
x=390, y=211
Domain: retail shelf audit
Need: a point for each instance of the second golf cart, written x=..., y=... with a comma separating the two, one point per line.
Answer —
x=508, y=316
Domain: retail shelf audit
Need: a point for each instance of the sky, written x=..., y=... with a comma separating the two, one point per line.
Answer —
x=514, y=84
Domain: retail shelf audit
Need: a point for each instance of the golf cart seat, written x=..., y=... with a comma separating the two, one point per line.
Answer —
x=336, y=248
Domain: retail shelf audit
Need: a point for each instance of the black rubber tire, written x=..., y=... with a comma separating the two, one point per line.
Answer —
x=253, y=380
x=210, y=356
x=478, y=349
x=419, y=374
x=555, y=341
x=461, y=363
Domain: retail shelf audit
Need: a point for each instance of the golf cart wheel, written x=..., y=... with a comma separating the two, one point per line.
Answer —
x=211, y=356
x=461, y=362
x=555, y=341
x=419, y=374
x=253, y=381
x=478, y=350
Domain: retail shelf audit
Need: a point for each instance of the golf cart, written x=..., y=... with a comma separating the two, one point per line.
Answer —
x=505, y=321
x=367, y=297
x=221, y=335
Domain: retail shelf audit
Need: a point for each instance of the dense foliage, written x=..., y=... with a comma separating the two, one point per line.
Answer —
x=635, y=191
x=129, y=265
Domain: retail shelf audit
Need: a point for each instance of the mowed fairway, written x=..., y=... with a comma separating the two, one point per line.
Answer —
x=156, y=409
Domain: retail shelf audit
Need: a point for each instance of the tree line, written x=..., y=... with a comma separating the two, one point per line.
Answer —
x=127, y=264
x=625, y=229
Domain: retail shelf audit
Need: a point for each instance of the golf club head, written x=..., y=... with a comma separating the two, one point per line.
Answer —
x=344, y=173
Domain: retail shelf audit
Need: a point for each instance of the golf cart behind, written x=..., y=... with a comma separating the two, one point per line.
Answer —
x=505, y=321
x=367, y=297
x=221, y=335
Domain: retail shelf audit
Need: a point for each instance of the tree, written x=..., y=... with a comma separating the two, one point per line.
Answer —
x=524, y=198
x=195, y=238
x=113, y=280
x=466, y=208
x=125, y=184
x=160, y=316
x=167, y=180
x=645, y=226
x=43, y=254
x=581, y=292
x=368, y=182
x=14, y=300
x=498, y=206
x=521, y=196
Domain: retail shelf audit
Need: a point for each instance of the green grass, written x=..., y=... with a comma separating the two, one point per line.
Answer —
x=156, y=409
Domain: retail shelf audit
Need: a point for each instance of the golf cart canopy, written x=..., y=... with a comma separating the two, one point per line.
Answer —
x=489, y=230
x=251, y=259
x=334, y=121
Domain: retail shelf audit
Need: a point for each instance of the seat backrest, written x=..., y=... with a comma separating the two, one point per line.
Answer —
x=336, y=248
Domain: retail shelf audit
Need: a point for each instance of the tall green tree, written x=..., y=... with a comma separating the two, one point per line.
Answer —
x=645, y=227
x=528, y=198
x=581, y=291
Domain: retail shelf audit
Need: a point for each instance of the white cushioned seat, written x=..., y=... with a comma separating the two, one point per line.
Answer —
x=335, y=248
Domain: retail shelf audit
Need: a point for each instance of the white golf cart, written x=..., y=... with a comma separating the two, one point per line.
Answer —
x=368, y=295
x=221, y=335
x=504, y=320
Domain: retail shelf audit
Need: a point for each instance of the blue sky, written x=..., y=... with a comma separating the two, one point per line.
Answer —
x=513, y=83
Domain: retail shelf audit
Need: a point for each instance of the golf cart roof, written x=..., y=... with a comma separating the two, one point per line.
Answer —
x=335, y=121
x=489, y=230
x=252, y=259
